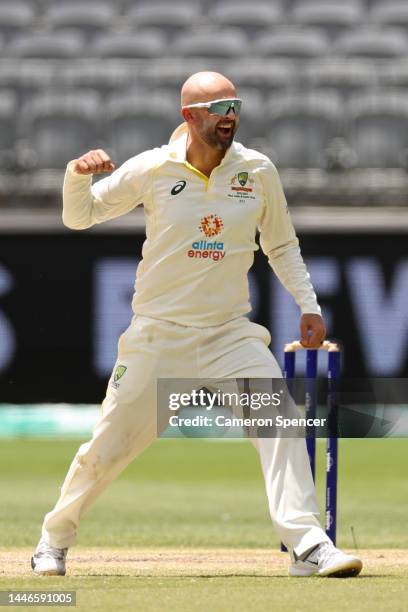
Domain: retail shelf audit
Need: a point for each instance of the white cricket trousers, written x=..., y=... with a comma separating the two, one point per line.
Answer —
x=152, y=349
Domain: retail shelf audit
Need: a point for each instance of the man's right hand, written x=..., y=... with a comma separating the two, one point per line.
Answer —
x=93, y=162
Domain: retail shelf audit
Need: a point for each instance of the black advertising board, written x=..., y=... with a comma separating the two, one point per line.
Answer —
x=65, y=298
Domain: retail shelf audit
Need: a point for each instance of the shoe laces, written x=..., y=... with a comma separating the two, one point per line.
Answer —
x=45, y=550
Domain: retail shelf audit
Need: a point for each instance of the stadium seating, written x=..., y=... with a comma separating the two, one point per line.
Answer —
x=261, y=15
x=300, y=126
x=390, y=13
x=60, y=125
x=372, y=42
x=171, y=19
x=339, y=57
x=299, y=43
x=332, y=17
x=265, y=75
x=9, y=78
x=89, y=18
x=347, y=76
x=252, y=123
x=210, y=42
x=147, y=43
x=103, y=77
x=294, y=4
x=139, y=121
x=394, y=75
x=377, y=129
x=26, y=79
x=128, y=5
x=62, y=45
x=15, y=15
x=170, y=74
x=7, y=121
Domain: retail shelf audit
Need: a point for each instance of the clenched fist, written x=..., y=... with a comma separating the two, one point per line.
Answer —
x=93, y=162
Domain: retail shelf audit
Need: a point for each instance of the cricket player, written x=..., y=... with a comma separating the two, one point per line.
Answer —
x=204, y=197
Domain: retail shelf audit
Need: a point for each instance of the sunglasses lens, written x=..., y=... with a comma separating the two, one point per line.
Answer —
x=223, y=107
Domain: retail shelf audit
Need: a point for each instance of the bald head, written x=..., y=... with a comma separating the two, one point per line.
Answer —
x=206, y=86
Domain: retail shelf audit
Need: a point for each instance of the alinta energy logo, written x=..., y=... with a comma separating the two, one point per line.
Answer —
x=211, y=226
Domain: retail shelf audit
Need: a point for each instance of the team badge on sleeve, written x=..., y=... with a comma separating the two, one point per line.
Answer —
x=117, y=375
x=119, y=372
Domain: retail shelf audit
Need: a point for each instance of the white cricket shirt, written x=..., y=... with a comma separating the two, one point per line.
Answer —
x=200, y=232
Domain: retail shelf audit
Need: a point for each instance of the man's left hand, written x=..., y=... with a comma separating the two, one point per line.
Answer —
x=312, y=331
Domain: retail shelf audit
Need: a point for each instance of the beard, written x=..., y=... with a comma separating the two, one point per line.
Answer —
x=218, y=138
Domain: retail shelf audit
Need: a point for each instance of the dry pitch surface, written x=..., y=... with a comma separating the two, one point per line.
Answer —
x=189, y=563
x=216, y=580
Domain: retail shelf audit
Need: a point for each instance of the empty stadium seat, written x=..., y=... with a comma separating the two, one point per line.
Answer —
x=61, y=125
x=90, y=18
x=8, y=112
x=262, y=14
x=140, y=121
x=301, y=125
x=144, y=44
x=299, y=43
x=210, y=42
x=62, y=45
x=199, y=5
x=346, y=75
x=169, y=74
x=394, y=74
x=26, y=79
x=105, y=77
x=15, y=15
x=332, y=17
x=172, y=19
x=294, y=4
x=9, y=77
x=252, y=121
x=377, y=128
x=265, y=75
x=390, y=13
x=372, y=42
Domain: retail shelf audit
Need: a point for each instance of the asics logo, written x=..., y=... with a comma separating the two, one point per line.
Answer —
x=178, y=187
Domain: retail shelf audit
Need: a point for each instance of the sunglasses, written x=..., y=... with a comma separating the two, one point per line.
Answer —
x=219, y=107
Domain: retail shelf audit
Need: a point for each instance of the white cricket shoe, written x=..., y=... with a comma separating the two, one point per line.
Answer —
x=48, y=560
x=326, y=560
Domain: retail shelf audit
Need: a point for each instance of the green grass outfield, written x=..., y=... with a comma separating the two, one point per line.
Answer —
x=197, y=494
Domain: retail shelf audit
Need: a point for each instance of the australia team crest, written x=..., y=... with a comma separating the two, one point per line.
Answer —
x=242, y=185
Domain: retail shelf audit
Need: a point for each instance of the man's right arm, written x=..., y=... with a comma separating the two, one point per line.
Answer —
x=85, y=204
